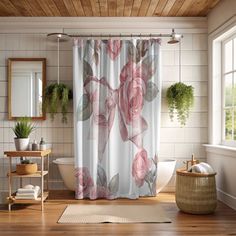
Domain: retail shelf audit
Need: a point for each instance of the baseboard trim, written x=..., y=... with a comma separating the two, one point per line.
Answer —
x=226, y=198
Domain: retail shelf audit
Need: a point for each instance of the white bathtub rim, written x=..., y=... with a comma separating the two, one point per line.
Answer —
x=64, y=161
x=70, y=160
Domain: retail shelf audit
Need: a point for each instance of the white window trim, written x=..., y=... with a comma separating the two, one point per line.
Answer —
x=232, y=36
x=215, y=79
x=220, y=149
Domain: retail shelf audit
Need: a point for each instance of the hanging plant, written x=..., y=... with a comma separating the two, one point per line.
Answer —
x=57, y=96
x=180, y=99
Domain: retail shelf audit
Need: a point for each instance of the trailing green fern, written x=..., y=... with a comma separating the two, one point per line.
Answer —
x=57, y=96
x=180, y=99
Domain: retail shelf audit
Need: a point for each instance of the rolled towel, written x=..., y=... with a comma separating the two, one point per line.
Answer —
x=201, y=168
x=207, y=167
x=28, y=186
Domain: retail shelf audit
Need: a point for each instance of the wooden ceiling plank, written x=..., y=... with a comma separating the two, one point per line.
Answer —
x=168, y=7
x=136, y=7
x=112, y=5
x=184, y=8
x=78, y=7
x=128, y=7
x=52, y=6
x=210, y=4
x=120, y=7
x=205, y=8
x=8, y=8
x=70, y=7
x=144, y=7
x=95, y=7
x=178, y=4
x=87, y=7
x=45, y=7
x=106, y=7
x=159, y=8
x=35, y=8
x=214, y=3
x=22, y=7
x=61, y=7
x=3, y=11
x=152, y=6
x=188, y=11
x=196, y=7
x=103, y=7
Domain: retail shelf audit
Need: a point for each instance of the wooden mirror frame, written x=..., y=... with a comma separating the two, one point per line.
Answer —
x=10, y=60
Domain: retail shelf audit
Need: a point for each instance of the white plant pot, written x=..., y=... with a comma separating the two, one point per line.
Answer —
x=22, y=144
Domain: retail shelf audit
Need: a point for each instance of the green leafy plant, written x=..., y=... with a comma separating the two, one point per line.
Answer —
x=26, y=161
x=23, y=127
x=180, y=99
x=57, y=96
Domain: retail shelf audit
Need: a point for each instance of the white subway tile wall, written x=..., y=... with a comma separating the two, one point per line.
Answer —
x=176, y=142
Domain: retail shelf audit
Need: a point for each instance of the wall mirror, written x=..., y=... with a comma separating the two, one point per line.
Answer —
x=26, y=83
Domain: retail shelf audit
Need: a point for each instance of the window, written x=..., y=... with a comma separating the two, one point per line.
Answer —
x=229, y=90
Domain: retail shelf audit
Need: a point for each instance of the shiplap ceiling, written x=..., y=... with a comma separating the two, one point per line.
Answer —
x=106, y=7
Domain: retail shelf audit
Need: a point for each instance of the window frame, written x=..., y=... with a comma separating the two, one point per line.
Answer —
x=232, y=37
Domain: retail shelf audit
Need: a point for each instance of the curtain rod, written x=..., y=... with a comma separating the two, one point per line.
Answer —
x=64, y=37
x=119, y=35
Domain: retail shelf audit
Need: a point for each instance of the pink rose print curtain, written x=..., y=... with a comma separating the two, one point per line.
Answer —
x=116, y=117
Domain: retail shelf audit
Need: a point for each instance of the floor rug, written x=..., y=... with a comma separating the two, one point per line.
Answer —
x=90, y=214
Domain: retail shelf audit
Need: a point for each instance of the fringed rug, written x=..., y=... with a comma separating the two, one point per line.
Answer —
x=90, y=214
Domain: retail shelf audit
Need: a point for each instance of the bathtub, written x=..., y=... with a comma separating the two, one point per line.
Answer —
x=66, y=168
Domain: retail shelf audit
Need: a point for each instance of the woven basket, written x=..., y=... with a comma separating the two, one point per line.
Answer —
x=195, y=192
x=26, y=169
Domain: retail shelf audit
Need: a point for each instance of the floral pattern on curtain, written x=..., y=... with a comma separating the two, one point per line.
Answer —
x=116, y=117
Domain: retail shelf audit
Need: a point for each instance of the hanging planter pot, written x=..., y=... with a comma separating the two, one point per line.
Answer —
x=56, y=98
x=57, y=95
x=180, y=99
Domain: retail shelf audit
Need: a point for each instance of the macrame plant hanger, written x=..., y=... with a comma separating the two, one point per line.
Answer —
x=58, y=60
x=58, y=37
x=180, y=72
x=57, y=95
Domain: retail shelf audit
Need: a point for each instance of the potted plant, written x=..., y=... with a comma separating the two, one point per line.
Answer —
x=180, y=99
x=56, y=96
x=22, y=130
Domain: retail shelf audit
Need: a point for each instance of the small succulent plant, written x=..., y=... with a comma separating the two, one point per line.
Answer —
x=23, y=127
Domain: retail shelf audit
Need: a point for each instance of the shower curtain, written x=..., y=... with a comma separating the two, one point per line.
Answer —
x=117, y=93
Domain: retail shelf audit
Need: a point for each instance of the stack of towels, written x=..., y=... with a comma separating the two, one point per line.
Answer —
x=28, y=192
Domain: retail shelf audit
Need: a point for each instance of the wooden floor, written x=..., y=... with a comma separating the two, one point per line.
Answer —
x=30, y=221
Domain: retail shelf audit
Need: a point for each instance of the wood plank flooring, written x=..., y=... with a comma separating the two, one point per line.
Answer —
x=28, y=220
